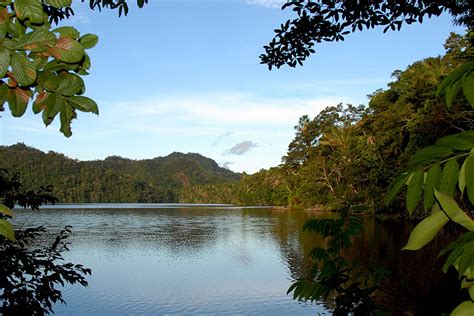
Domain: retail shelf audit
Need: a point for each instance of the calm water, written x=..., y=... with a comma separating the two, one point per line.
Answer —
x=174, y=259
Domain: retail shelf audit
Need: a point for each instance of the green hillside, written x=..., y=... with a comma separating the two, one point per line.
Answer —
x=114, y=179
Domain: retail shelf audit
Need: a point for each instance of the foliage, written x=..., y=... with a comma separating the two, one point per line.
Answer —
x=349, y=155
x=114, y=179
x=321, y=20
x=435, y=177
x=333, y=275
x=28, y=277
x=42, y=65
x=29, y=273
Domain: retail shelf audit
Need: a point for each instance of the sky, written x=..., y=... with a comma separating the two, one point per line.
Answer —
x=184, y=76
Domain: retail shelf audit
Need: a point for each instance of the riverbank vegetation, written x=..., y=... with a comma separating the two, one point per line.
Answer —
x=114, y=179
x=349, y=155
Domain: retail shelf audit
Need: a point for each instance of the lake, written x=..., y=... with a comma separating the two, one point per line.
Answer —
x=218, y=259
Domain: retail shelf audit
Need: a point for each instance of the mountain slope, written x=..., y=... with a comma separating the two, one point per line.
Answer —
x=114, y=179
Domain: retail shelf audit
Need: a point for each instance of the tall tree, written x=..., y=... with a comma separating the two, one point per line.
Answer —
x=323, y=20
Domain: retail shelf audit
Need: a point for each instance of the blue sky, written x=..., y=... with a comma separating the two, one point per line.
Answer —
x=184, y=76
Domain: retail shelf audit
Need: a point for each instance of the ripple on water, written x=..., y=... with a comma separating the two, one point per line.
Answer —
x=176, y=261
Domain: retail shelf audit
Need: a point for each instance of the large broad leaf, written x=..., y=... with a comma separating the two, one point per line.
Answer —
x=467, y=135
x=65, y=116
x=468, y=88
x=6, y=211
x=450, y=177
x=469, y=177
x=451, y=92
x=464, y=309
x=18, y=101
x=3, y=94
x=49, y=80
x=415, y=188
x=40, y=102
x=83, y=104
x=4, y=61
x=425, y=231
x=454, y=212
x=395, y=187
x=29, y=9
x=67, y=50
x=23, y=69
x=70, y=84
x=59, y=3
x=67, y=31
x=466, y=259
x=433, y=178
x=37, y=41
x=430, y=153
x=89, y=40
x=53, y=104
x=455, y=142
x=462, y=178
x=456, y=75
x=4, y=20
x=6, y=230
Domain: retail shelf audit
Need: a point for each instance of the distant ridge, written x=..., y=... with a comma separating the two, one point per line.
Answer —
x=114, y=179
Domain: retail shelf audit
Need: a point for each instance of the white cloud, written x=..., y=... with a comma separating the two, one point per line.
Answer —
x=240, y=148
x=267, y=3
x=226, y=164
x=231, y=109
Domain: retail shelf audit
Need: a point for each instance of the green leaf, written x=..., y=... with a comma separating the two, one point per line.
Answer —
x=67, y=31
x=49, y=80
x=3, y=94
x=433, y=179
x=4, y=61
x=53, y=104
x=40, y=102
x=37, y=41
x=466, y=258
x=70, y=84
x=395, y=187
x=59, y=3
x=454, y=212
x=4, y=20
x=468, y=88
x=23, y=69
x=86, y=62
x=464, y=309
x=457, y=74
x=450, y=177
x=462, y=178
x=455, y=142
x=467, y=135
x=83, y=104
x=415, y=188
x=6, y=230
x=29, y=9
x=67, y=50
x=65, y=116
x=451, y=92
x=469, y=176
x=17, y=30
x=18, y=101
x=89, y=40
x=6, y=211
x=425, y=231
x=430, y=153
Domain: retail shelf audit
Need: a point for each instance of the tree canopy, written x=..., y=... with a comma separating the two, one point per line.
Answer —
x=324, y=20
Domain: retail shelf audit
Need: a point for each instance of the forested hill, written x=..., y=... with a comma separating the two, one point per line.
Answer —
x=114, y=179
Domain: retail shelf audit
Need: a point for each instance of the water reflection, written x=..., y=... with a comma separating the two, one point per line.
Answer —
x=217, y=260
